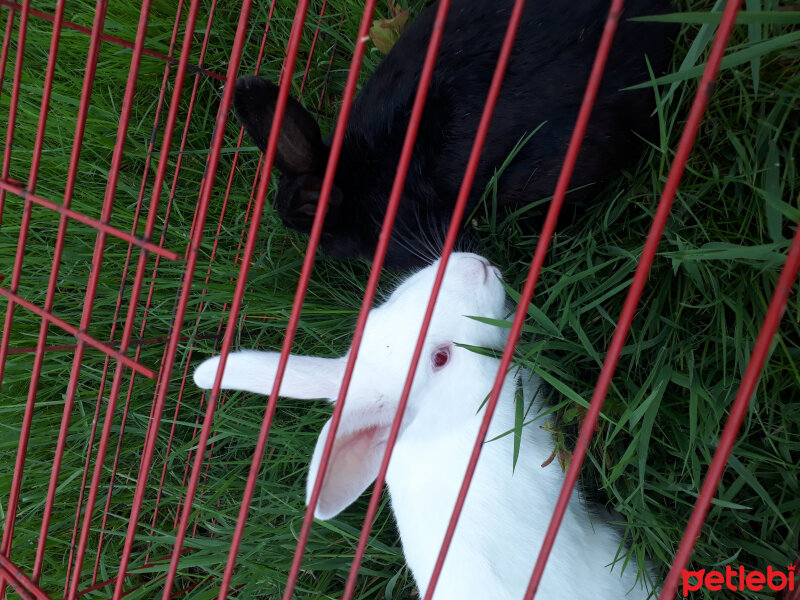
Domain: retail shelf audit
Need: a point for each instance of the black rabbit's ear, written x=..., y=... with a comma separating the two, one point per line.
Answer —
x=297, y=201
x=300, y=148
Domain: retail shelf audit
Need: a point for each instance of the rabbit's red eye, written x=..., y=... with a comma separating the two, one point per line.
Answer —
x=440, y=357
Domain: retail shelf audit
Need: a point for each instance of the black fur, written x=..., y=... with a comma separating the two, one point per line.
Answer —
x=544, y=84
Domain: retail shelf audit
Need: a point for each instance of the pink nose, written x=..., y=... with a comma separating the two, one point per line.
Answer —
x=479, y=264
x=485, y=267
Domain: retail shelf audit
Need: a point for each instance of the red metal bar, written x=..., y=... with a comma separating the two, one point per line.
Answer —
x=316, y=230
x=188, y=464
x=378, y=261
x=174, y=185
x=248, y=216
x=106, y=509
x=257, y=178
x=142, y=259
x=19, y=582
x=97, y=261
x=71, y=347
x=328, y=71
x=4, y=56
x=43, y=112
x=48, y=317
x=5, y=168
x=33, y=174
x=249, y=210
x=253, y=189
x=203, y=48
x=31, y=350
x=292, y=51
x=192, y=252
x=26, y=214
x=114, y=40
x=84, y=477
x=313, y=46
x=452, y=232
x=153, y=209
x=200, y=308
x=89, y=73
x=247, y=219
x=100, y=395
x=263, y=46
x=634, y=293
x=544, y=242
x=147, y=565
x=777, y=306
x=372, y=284
x=202, y=305
x=12, y=108
x=96, y=223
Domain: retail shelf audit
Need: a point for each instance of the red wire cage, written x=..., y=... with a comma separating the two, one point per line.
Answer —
x=185, y=68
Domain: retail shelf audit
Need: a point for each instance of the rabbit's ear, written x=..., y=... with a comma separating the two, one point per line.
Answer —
x=355, y=458
x=305, y=376
x=297, y=201
x=300, y=148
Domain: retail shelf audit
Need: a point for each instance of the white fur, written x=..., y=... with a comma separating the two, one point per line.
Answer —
x=506, y=512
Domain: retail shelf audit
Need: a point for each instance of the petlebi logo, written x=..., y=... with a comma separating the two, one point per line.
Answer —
x=738, y=580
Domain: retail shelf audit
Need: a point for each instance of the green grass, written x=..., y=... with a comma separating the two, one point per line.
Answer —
x=706, y=296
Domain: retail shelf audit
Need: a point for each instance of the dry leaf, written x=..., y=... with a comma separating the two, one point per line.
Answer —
x=564, y=457
x=385, y=32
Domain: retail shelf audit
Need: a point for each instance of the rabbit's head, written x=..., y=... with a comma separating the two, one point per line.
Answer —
x=362, y=184
x=301, y=156
x=450, y=382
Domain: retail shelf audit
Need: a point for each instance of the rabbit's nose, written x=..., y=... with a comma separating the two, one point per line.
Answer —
x=489, y=270
x=468, y=258
x=478, y=264
x=470, y=266
x=485, y=268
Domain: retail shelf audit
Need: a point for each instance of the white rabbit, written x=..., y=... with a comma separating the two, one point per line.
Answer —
x=507, y=511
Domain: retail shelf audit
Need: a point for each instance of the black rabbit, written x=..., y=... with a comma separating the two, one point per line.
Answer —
x=543, y=86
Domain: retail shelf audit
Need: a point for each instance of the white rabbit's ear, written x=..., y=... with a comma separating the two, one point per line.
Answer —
x=251, y=371
x=355, y=458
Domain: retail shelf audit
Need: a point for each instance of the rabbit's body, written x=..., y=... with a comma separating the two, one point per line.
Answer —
x=499, y=533
x=507, y=511
x=543, y=87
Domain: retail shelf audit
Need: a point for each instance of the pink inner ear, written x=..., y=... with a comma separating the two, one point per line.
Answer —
x=353, y=465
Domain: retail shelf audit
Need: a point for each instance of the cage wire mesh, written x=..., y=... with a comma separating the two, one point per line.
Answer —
x=137, y=237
